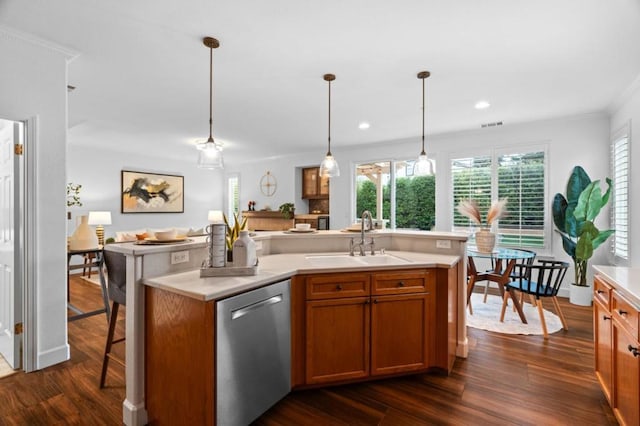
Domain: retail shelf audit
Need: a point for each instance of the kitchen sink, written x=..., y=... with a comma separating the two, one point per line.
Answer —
x=338, y=260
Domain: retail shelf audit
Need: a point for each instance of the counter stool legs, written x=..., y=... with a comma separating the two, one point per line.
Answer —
x=109, y=344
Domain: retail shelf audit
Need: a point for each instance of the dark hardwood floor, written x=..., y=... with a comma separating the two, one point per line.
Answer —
x=506, y=380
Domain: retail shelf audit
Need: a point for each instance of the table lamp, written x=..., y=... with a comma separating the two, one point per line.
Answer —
x=215, y=216
x=100, y=219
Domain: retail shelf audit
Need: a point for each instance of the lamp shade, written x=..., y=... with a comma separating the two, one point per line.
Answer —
x=329, y=167
x=99, y=218
x=215, y=216
x=210, y=156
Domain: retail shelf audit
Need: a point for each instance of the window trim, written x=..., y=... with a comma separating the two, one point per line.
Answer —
x=624, y=131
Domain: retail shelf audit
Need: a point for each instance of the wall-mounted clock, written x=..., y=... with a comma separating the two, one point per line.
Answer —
x=268, y=184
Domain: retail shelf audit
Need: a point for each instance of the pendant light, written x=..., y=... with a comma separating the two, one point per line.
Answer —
x=210, y=156
x=423, y=166
x=329, y=166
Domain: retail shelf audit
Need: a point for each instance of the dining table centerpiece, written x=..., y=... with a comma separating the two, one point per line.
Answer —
x=485, y=238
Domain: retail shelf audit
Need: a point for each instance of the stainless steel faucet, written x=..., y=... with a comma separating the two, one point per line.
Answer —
x=363, y=244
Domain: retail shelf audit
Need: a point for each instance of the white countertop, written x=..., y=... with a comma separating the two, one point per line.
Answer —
x=626, y=280
x=277, y=267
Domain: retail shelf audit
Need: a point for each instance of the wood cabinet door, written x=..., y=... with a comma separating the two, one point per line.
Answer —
x=323, y=186
x=337, y=339
x=603, y=336
x=399, y=333
x=626, y=377
x=310, y=182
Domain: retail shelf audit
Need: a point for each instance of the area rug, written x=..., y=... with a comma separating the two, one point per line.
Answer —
x=5, y=369
x=486, y=316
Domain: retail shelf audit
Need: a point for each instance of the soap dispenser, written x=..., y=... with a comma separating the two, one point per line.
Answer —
x=244, y=251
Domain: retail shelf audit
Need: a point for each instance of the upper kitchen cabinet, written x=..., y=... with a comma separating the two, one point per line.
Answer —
x=314, y=186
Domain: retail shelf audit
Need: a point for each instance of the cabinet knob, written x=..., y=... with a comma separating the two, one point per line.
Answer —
x=621, y=312
x=633, y=350
x=401, y=284
x=375, y=301
x=338, y=287
x=604, y=317
x=366, y=302
x=599, y=291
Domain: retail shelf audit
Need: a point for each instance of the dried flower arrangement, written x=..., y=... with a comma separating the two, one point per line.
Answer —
x=470, y=209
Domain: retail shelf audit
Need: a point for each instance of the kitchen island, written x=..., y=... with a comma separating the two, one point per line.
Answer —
x=151, y=273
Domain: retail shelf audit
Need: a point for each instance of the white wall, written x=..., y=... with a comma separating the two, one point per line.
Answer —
x=33, y=83
x=98, y=170
x=628, y=111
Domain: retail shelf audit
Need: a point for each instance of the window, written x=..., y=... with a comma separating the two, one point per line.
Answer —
x=620, y=194
x=391, y=191
x=516, y=175
x=233, y=195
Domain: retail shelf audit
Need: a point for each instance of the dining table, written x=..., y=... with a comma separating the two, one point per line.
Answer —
x=503, y=261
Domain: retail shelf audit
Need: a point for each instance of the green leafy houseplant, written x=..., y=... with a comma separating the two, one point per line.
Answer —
x=287, y=210
x=573, y=216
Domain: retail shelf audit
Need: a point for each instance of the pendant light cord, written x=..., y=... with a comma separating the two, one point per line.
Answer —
x=329, y=130
x=423, y=118
x=211, y=95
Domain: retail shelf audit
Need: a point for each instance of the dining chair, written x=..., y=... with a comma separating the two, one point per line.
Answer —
x=117, y=289
x=516, y=272
x=539, y=280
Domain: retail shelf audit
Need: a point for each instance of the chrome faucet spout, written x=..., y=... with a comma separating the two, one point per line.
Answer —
x=366, y=215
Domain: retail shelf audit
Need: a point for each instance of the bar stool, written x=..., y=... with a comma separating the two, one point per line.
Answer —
x=116, y=277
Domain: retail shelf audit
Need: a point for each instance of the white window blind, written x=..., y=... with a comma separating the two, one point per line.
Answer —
x=519, y=176
x=620, y=196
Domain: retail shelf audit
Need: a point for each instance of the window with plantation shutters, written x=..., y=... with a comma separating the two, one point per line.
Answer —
x=520, y=176
x=620, y=195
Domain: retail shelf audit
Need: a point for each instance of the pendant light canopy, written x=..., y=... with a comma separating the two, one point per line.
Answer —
x=210, y=156
x=329, y=166
x=423, y=166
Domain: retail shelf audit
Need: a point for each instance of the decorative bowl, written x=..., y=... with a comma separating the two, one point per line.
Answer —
x=168, y=234
x=303, y=226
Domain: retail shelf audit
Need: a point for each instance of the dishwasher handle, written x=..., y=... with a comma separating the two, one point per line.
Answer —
x=237, y=313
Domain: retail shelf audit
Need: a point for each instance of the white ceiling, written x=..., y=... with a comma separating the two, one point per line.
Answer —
x=142, y=74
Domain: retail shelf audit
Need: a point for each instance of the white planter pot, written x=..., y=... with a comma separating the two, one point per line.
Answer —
x=580, y=295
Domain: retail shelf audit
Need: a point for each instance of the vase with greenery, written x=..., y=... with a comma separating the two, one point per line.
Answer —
x=233, y=232
x=574, y=214
x=287, y=210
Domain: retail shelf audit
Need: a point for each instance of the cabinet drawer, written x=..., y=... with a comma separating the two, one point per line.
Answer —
x=331, y=286
x=602, y=292
x=625, y=313
x=398, y=282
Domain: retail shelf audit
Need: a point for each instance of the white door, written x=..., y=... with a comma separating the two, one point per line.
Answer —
x=10, y=298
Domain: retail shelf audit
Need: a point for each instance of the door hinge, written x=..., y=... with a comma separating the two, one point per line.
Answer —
x=18, y=329
x=17, y=149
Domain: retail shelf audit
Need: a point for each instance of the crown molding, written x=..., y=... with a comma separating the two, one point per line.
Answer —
x=11, y=34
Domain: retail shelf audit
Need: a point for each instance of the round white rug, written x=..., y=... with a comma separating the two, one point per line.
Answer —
x=486, y=316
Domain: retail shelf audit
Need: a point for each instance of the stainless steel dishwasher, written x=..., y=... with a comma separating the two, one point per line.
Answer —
x=253, y=363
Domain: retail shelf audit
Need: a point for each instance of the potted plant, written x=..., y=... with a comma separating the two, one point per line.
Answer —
x=485, y=239
x=573, y=216
x=287, y=210
x=233, y=232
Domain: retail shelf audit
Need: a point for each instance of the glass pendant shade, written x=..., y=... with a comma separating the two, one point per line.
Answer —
x=329, y=167
x=210, y=156
x=423, y=165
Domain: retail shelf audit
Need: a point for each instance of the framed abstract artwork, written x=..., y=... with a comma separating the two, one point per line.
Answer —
x=143, y=192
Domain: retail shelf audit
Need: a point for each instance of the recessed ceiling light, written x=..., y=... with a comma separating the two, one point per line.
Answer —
x=364, y=125
x=482, y=105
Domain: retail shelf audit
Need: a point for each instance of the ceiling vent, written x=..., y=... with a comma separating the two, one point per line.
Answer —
x=494, y=124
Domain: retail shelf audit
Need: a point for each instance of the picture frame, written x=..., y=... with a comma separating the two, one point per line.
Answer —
x=144, y=192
